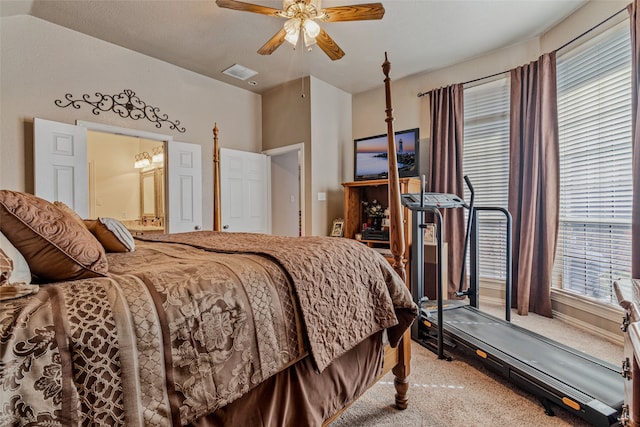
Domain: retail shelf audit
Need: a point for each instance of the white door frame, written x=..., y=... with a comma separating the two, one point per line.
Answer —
x=99, y=127
x=299, y=147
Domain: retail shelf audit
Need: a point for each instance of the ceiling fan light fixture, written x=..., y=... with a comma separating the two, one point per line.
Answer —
x=292, y=27
x=295, y=8
x=311, y=29
x=301, y=16
x=286, y=4
x=308, y=41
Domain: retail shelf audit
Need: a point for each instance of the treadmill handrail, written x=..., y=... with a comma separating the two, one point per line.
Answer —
x=467, y=234
x=508, y=257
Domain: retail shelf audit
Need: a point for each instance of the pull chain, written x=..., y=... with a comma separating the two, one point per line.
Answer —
x=302, y=94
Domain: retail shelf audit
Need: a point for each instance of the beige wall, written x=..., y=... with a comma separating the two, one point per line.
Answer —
x=321, y=120
x=583, y=19
x=286, y=120
x=330, y=141
x=411, y=111
x=286, y=115
x=41, y=62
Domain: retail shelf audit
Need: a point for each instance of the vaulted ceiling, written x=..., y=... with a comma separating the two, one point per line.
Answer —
x=419, y=35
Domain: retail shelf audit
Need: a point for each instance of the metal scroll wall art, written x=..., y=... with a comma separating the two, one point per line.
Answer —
x=126, y=104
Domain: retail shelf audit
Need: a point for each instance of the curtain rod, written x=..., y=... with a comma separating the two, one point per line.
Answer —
x=421, y=94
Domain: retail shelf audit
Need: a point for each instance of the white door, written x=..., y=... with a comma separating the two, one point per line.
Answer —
x=244, y=191
x=184, y=179
x=60, y=164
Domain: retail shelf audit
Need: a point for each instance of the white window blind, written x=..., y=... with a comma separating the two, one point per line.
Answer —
x=594, y=122
x=486, y=163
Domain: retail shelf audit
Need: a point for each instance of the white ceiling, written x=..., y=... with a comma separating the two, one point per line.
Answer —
x=419, y=35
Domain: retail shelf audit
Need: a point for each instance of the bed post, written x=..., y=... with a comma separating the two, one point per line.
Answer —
x=396, y=237
x=217, y=207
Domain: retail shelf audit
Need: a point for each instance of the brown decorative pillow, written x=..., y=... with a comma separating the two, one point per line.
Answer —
x=112, y=234
x=55, y=246
x=69, y=212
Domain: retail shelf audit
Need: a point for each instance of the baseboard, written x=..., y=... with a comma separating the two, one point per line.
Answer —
x=492, y=292
x=491, y=300
x=593, y=314
x=602, y=333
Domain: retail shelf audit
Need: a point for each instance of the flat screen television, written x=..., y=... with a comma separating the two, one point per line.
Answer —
x=370, y=155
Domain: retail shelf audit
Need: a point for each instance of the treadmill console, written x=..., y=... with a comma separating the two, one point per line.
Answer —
x=431, y=201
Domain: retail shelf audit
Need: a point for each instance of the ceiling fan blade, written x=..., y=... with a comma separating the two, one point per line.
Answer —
x=328, y=46
x=356, y=12
x=246, y=7
x=273, y=43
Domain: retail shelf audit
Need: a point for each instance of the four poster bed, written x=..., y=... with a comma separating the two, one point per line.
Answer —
x=204, y=328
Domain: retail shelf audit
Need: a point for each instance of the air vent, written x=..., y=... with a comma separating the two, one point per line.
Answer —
x=239, y=72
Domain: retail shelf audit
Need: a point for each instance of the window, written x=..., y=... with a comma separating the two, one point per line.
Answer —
x=594, y=120
x=486, y=163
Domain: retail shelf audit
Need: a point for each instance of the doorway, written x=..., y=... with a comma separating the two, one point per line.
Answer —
x=287, y=190
x=120, y=187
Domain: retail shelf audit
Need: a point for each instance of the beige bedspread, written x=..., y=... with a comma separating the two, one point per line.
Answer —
x=176, y=332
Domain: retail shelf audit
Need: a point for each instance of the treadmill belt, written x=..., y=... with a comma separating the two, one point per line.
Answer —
x=597, y=379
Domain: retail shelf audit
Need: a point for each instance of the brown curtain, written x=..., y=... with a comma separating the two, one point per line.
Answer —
x=445, y=168
x=534, y=183
x=635, y=137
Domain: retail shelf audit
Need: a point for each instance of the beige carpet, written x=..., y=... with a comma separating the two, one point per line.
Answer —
x=464, y=393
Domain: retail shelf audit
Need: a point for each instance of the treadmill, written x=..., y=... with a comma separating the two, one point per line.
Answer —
x=557, y=374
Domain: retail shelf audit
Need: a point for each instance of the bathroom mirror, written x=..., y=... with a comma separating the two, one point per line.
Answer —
x=152, y=193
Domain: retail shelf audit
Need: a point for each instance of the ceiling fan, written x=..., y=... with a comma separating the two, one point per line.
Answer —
x=301, y=17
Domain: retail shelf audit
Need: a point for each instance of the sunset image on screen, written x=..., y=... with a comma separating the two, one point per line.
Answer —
x=371, y=155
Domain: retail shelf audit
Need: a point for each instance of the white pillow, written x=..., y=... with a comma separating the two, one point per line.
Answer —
x=112, y=234
x=21, y=272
